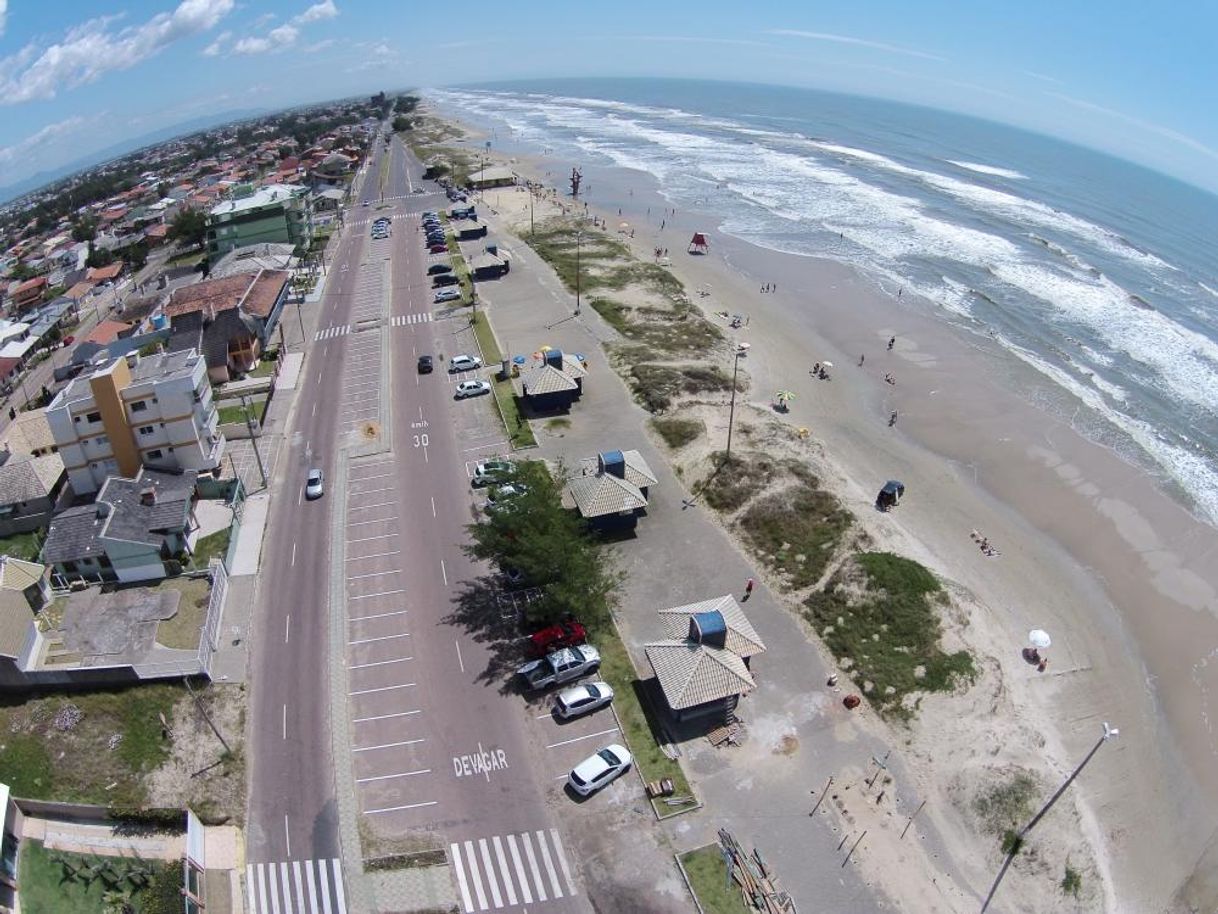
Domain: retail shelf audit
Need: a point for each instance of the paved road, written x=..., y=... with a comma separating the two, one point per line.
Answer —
x=439, y=750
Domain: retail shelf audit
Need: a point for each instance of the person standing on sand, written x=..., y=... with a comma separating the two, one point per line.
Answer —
x=891, y=342
x=892, y=420
x=748, y=588
x=861, y=359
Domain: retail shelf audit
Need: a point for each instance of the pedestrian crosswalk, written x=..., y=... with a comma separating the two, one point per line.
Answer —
x=524, y=868
x=401, y=320
x=329, y=333
x=295, y=887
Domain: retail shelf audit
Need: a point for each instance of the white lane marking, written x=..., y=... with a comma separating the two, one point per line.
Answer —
x=372, y=812
x=528, y=852
x=338, y=886
x=379, y=520
x=407, y=742
x=287, y=837
x=287, y=627
x=455, y=853
x=364, y=720
x=374, y=491
x=383, y=504
x=360, y=666
x=298, y=879
x=444, y=572
x=374, y=555
x=396, y=612
x=300, y=497
x=545, y=858
x=508, y=888
x=309, y=879
x=373, y=466
x=404, y=685
x=490, y=872
x=562, y=861
x=473, y=868
x=285, y=724
x=433, y=507
x=373, y=574
x=460, y=662
x=389, y=777
x=379, y=638
x=368, y=539
x=383, y=593
x=520, y=876
x=567, y=742
x=293, y=555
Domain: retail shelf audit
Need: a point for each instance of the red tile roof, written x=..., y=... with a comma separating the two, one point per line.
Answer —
x=29, y=286
x=256, y=293
x=101, y=274
x=106, y=332
x=160, y=230
x=80, y=290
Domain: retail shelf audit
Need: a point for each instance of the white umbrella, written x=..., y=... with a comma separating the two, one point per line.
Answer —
x=827, y=364
x=1039, y=639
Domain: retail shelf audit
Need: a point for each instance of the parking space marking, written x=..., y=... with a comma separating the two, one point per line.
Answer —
x=405, y=742
x=372, y=812
x=375, y=555
x=404, y=685
x=382, y=504
x=395, y=612
x=364, y=720
x=380, y=638
x=364, y=523
x=360, y=666
x=383, y=593
x=389, y=777
x=375, y=491
x=373, y=574
x=368, y=539
x=567, y=742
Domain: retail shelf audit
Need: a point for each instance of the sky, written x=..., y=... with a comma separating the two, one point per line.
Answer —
x=1139, y=80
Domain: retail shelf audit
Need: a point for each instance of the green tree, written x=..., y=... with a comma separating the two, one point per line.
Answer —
x=84, y=229
x=188, y=226
x=401, y=123
x=552, y=549
x=137, y=256
x=98, y=258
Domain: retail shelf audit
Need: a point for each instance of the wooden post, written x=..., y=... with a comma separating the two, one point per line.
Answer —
x=206, y=717
x=823, y=794
x=911, y=818
x=853, y=846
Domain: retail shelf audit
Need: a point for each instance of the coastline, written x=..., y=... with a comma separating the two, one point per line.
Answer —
x=1094, y=553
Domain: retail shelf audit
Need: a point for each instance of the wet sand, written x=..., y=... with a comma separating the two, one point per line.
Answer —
x=1123, y=577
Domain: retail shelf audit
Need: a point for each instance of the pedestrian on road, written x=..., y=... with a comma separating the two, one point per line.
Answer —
x=748, y=588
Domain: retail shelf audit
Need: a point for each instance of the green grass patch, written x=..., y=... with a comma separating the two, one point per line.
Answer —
x=1072, y=881
x=25, y=546
x=237, y=414
x=116, y=741
x=264, y=369
x=1006, y=804
x=212, y=546
x=678, y=432
x=880, y=611
x=186, y=259
x=638, y=725
x=185, y=628
x=713, y=887
x=656, y=386
x=737, y=479
x=558, y=425
x=54, y=881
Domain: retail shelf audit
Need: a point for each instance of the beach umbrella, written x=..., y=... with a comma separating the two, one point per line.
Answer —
x=826, y=364
x=784, y=396
x=623, y=226
x=547, y=348
x=519, y=360
x=1039, y=639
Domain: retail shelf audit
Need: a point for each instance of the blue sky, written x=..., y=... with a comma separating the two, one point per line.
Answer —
x=1138, y=80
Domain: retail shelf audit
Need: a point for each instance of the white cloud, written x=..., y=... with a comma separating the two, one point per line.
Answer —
x=3, y=14
x=277, y=39
x=213, y=49
x=317, y=46
x=44, y=139
x=858, y=42
x=1041, y=76
x=1166, y=132
x=697, y=39
x=317, y=12
x=92, y=49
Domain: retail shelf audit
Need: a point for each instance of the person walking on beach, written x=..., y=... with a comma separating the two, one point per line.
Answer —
x=892, y=420
x=891, y=342
x=748, y=588
x=861, y=359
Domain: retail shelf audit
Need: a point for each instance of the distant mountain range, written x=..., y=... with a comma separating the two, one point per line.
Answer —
x=16, y=189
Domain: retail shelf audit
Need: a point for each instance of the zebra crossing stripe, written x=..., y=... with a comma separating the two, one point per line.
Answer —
x=296, y=875
x=473, y=870
x=545, y=856
x=339, y=891
x=325, y=896
x=503, y=869
x=272, y=888
x=312, y=887
x=454, y=851
x=490, y=872
x=528, y=849
x=562, y=861
x=520, y=876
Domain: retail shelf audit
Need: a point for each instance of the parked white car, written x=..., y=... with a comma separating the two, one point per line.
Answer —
x=596, y=771
x=463, y=363
x=472, y=389
x=583, y=699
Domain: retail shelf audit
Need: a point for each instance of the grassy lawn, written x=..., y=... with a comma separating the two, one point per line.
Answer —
x=678, y=432
x=48, y=886
x=116, y=740
x=186, y=259
x=183, y=630
x=237, y=413
x=265, y=369
x=212, y=546
x=879, y=613
x=22, y=545
x=519, y=431
x=637, y=725
x=796, y=531
x=708, y=876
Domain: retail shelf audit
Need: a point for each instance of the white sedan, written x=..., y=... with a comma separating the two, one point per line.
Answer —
x=582, y=699
x=595, y=772
x=472, y=389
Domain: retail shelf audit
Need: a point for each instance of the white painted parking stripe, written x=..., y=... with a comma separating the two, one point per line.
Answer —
x=490, y=872
x=373, y=812
x=405, y=685
x=545, y=858
x=374, y=555
x=454, y=852
x=383, y=504
x=372, y=466
x=368, y=539
x=380, y=638
x=339, y=892
x=562, y=861
x=379, y=520
x=383, y=593
x=390, y=777
x=396, y=612
x=364, y=720
x=528, y=852
x=473, y=869
x=309, y=878
x=375, y=491
x=373, y=574
x=520, y=876
x=508, y=888
x=567, y=742
x=360, y=666
x=406, y=742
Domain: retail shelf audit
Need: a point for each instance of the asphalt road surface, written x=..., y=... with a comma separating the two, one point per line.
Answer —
x=438, y=747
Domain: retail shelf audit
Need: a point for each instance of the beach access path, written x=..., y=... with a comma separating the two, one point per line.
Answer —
x=799, y=732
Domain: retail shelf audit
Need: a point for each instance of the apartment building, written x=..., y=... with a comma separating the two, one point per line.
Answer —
x=134, y=411
x=276, y=213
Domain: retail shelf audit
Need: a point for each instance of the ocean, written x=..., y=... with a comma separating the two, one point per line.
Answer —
x=1095, y=273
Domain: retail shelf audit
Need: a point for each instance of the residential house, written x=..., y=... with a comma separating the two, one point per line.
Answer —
x=492, y=176
x=24, y=589
x=136, y=527
x=156, y=235
x=31, y=490
x=27, y=294
x=230, y=320
x=278, y=212
x=28, y=435
x=703, y=668
x=121, y=413
x=108, y=273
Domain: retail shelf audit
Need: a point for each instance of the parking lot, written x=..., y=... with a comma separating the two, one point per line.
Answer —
x=563, y=744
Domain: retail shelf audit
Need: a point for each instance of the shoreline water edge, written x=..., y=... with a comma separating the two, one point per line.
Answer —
x=1088, y=544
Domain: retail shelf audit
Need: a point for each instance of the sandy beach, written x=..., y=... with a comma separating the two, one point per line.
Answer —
x=1088, y=548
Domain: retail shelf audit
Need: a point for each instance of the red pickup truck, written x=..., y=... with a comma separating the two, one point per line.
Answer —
x=559, y=635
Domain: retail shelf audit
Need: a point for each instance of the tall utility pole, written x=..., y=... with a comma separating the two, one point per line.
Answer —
x=249, y=424
x=579, y=237
x=731, y=416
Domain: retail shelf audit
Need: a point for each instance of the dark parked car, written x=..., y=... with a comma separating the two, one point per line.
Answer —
x=425, y=364
x=437, y=249
x=444, y=279
x=437, y=268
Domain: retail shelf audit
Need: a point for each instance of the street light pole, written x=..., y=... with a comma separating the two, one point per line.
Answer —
x=579, y=237
x=731, y=416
